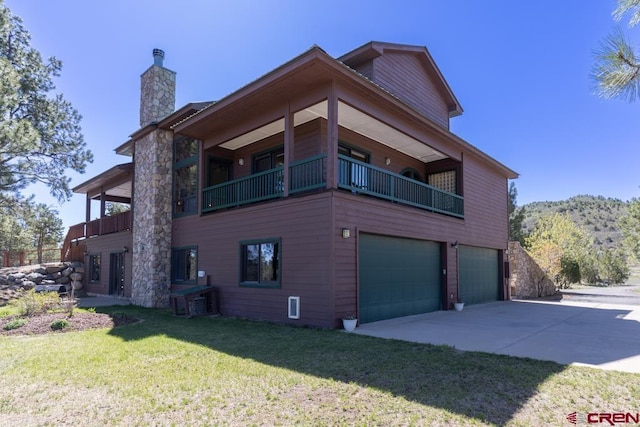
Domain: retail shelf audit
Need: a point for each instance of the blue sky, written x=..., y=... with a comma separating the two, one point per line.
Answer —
x=519, y=69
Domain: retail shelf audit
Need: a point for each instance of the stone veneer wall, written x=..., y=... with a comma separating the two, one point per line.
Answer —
x=157, y=95
x=527, y=278
x=152, y=220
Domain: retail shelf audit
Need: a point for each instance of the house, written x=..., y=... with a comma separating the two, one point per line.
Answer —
x=324, y=188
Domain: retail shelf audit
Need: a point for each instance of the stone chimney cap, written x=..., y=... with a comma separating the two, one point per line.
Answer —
x=158, y=57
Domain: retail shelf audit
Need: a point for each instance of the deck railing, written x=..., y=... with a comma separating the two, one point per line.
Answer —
x=353, y=175
x=363, y=178
x=79, y=232
x=307, y=174
x=253, y=188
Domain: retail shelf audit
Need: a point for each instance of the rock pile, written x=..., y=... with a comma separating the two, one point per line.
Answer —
x=42, y=277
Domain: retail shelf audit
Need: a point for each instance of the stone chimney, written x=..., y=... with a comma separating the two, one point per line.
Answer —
x=153, y=160
x=158, y=91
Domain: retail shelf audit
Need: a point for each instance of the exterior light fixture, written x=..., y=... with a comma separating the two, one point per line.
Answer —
x=387, y=161
x=455, y=244
x=125, y=249
x=346, y=233
x=241, y=161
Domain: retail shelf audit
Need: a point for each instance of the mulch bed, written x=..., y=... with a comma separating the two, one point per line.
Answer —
x=41, y=324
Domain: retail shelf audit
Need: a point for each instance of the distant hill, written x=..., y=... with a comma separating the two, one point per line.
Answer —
x=596, y=215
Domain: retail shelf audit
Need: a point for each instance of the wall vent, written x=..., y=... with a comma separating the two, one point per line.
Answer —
x=294, y=307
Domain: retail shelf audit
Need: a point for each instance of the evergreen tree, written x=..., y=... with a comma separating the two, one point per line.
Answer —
x=516, y=216
x=40, y=135
x=617, y=67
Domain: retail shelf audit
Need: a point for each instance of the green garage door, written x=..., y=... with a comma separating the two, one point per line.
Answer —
x=398, y=277
x=479, y=274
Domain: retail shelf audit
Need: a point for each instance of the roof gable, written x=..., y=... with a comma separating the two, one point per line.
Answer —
x=364, y=59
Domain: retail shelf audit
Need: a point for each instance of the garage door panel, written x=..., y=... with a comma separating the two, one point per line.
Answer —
x=479, y=274
x=398, y=277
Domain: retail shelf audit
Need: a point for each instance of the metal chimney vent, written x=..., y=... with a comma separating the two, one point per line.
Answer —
x=158, y=57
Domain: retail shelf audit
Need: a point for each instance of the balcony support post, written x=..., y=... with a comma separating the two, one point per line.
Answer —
x=332, y=138
x=288, y=147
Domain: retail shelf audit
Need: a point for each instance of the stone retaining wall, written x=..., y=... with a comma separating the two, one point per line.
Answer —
x=527, y=278
x=44, y=276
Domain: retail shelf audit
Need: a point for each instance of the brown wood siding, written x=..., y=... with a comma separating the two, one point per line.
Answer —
x=307, y=140
x=366, y=69
x=405, y=76
x=485, y=205
x=106, y=245
x=302, y=224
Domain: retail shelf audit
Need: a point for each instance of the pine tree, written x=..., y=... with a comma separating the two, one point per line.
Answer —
x=617, y=66
x=40, y=134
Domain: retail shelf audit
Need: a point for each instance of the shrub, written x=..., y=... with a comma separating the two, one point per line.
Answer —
x=31, y=302
x=59, y=324
x=16, y=323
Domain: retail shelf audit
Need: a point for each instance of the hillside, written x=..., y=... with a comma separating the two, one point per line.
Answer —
x=596, y=215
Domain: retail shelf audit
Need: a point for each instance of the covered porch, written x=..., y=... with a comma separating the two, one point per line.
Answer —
x=113, y=185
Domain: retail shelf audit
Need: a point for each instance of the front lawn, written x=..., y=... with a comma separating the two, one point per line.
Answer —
x=215, y=371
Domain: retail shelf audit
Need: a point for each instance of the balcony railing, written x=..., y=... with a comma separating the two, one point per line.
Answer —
x=310, y=174
x=253, y=188
x=98, y=227
x=305, y=175
x=363, y=178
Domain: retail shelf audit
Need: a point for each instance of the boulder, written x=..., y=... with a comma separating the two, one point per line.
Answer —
x=76, y=277
x=41, y=270
x=28, y=284
x=76, y=285
x=16, y=276
x=63, y=280
x=67, y=271
x=48, y=282
x=51, y=269
x=79, y=269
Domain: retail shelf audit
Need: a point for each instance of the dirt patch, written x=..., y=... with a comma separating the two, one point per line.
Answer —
x=41, y=324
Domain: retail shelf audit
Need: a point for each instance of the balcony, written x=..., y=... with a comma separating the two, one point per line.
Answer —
x=305, y=175
x=309, y=174
x=363, y=178
x=73, y=242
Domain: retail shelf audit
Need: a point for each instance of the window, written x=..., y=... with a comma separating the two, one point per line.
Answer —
x=412, y=174
x=260, y=263
x=184, y=265
x=185, y=176
x=94, y=268
x=269, y=160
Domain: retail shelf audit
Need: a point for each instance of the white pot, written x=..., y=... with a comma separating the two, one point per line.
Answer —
x=349, y=324
x=458, y=306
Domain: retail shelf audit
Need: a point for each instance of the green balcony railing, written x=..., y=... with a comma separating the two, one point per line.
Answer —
x=307, y=174
x=253, y=188
x=366, y=179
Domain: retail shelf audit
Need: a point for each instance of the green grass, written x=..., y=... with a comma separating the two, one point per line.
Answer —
x=215, y=371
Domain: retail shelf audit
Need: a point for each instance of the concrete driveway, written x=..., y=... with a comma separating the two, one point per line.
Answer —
x=601, y=335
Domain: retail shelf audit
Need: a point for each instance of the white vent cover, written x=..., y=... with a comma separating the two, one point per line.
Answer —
x=294, y=307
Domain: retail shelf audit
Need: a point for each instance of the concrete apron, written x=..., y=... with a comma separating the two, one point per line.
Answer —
x=605, y=336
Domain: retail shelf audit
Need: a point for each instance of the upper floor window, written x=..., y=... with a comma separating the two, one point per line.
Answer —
x=185, y=176
x=268, y=160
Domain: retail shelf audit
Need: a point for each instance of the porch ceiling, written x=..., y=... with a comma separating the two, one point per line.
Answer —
x=115, y=182
x=349, y=118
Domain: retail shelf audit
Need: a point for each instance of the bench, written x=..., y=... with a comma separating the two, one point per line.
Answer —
x=194, y=295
